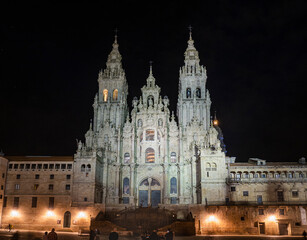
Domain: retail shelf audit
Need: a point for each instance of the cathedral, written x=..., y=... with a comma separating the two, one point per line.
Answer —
x=145, y=157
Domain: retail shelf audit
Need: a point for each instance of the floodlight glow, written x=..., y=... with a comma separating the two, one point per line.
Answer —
x=81, y=215
x=272, y=218
x=14, y=213
x=50, y=213
x=212, y=219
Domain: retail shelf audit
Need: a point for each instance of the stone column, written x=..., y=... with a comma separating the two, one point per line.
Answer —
x=131, y=197
x=149, y=191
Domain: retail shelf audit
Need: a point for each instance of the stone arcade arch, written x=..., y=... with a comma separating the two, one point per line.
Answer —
x=150, y=192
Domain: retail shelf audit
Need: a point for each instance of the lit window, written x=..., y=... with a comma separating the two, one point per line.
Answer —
x=150, y=155
x=115, y=94
x=105, y=95
x=127, y=158
x=150, y=135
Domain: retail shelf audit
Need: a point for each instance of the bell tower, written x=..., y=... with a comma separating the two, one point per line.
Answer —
x=193, y=97
x=110, y=104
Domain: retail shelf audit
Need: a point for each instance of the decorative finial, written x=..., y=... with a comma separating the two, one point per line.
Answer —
x=116, y=31
x=150, y=67
x=190, y=28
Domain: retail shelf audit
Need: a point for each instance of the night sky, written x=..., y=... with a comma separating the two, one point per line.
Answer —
x=254, y=52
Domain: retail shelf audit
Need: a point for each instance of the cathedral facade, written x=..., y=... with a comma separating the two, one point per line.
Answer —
x=145, y=157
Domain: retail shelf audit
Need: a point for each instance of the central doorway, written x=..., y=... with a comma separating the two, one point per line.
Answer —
x=149, y=193
x=67, y=217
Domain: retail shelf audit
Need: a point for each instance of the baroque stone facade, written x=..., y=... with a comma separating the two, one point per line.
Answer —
x=145, y=158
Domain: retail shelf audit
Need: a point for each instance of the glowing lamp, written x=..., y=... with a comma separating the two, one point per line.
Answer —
x=50, y=213
x=14, y=213
x=212, y=219
x=81, y=215
x=215, y=122
x=272, y=218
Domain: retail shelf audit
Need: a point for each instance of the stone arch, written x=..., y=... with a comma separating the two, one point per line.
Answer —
x=105, y=95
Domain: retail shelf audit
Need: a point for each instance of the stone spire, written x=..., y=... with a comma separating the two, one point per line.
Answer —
x=114, y=63
x=150, y=80
x=191, y=54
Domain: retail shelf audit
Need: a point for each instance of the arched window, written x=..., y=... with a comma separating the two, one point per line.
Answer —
x=213, y=166
x=150, y=155
x=126, y=187
x=173, y=185
x=115, y=94
x=173, y=157
x=208, y=166
x=277, y=175
x=150, y=135
x=105, y=95
x=188, y=92
x=83, y=168
x=127, y=158
x=88, y=167
x=198, y=93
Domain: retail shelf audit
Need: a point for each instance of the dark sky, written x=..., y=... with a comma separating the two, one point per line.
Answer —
x=254, y=51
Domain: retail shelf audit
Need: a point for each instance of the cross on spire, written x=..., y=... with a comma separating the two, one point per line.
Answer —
x=150, y=67
x=116, y=31
x=190, y=29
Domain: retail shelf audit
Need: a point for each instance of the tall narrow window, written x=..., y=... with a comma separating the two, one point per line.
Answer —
x=150, y=135
x=115, y=94
x=127, y=158
x=173, y=185
x=16, y=202
x=34, y=202
x=173, y=157
x=198, y=93
x=150, y=155
x=4, y=201
x=188, y=92
x=105, y=95
x=126, y=189
x=280, y=196
x=51, y=202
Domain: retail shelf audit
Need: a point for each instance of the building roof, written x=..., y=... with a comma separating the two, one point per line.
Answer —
x=40, y=158
x=268, y=164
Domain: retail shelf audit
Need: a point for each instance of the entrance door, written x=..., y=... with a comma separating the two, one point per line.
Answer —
x=149, y=192
x=155, y=198
x=143, y=198
x=262, y=228
x=283, y=228
x=67, y=216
